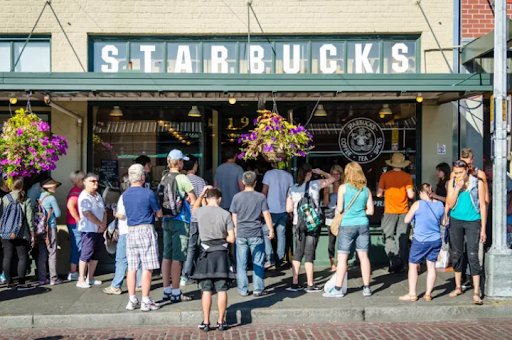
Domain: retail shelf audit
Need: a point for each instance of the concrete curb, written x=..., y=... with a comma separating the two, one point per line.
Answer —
x=410, y=313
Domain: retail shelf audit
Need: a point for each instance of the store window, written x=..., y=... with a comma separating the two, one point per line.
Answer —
x=121, y=134
x=35, y=56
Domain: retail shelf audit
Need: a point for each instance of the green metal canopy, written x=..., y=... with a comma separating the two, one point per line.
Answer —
x=441, y=87
x=482, y=46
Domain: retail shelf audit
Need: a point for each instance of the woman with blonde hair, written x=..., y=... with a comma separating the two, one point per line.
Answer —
x=329, y=201
x=356, y=204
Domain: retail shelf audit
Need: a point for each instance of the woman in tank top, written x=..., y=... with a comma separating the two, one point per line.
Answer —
x=356, y=203
x=426, y=243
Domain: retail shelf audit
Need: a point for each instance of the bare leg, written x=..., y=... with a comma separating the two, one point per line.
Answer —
x=130, y=282
x=431, y=277
x=206, y=301
x=91, y=269
x=222, y=304
x=295, y=271
x=366, y=269
x=476, y=285
x=81, y=271
x=413, y=278
x=146, y=282
x=341, y=269
x=166, y=273
x=309, y=267
x=175, y=274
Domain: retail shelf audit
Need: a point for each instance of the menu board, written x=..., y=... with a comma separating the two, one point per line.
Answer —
x=109, y=170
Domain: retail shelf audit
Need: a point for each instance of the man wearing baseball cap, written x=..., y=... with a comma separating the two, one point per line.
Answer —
x=176, y=228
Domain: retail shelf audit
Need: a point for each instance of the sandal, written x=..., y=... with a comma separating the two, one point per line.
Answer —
x=427, y=297
x=477, y=300
x=456, y=292
x=408, y=297
x=205, y=327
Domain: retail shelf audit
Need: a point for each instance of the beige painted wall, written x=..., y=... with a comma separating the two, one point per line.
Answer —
x=225, y=17
x=437, y=129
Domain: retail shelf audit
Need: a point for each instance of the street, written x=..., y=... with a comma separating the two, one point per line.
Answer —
x=486, y=329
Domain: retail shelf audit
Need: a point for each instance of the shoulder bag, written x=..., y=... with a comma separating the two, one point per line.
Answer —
x=336, y=221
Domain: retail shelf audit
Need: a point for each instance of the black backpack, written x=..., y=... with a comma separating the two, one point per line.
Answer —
x=309, y=220
x=11, y=221
x=169, y=195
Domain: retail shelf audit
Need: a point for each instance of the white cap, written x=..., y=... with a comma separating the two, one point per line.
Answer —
x=176, y=155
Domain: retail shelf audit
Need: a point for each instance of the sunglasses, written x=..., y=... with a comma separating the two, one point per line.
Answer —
x=92, y=181
x=460, y=164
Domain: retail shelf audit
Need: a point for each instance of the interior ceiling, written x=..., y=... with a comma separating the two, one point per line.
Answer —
x=429, y=97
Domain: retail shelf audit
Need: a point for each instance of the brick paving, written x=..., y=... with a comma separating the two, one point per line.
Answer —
x=484, y=329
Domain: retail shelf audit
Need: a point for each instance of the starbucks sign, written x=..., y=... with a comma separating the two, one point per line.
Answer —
x=361, y=140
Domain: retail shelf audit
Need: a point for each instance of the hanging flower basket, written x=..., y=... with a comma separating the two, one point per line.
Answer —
x=27, y=146
x=275, y=139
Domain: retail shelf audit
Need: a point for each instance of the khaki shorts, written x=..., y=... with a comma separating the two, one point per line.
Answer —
x=176, y=235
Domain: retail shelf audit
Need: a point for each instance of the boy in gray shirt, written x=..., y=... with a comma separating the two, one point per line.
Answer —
x=247, y=208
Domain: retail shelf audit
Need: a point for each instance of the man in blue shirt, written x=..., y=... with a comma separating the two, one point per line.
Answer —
x=141, y=207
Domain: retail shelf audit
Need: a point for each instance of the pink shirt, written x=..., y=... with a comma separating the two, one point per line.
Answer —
x=72, y=197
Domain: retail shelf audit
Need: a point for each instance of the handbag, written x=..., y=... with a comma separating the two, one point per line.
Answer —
x=335, y=225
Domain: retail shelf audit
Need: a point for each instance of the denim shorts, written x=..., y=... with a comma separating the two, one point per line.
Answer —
x=347, y=235
x=424, y=250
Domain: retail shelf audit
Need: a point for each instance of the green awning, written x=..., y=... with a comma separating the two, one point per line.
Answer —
x=482, y=46
x=441, y=86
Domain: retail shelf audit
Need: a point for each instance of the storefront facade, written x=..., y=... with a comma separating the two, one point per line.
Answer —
x=162, y=75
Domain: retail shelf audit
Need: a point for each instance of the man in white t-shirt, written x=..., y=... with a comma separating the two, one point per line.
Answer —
x=276, y=184
x=92, y=224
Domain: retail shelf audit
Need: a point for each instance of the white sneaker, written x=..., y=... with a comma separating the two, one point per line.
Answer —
x=83, y=285
x=95, y=282
x=73, y=276
x=148, y=306
x=133, y=305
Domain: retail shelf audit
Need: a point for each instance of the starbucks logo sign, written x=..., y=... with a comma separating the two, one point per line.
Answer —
x=361, y=140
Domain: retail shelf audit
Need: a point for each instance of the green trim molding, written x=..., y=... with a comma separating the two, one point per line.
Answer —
x=161, y=82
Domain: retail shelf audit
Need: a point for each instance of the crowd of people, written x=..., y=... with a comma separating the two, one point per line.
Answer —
x=211, y=231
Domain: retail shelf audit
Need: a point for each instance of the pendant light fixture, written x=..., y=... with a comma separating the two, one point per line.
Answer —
x=320, y=111
x=385, y=111
x=194, y=112
x=116, y=112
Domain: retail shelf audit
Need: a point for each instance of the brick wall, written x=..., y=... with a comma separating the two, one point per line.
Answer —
x=477, y=17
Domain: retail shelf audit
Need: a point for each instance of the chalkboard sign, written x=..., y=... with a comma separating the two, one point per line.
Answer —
x=109, y=170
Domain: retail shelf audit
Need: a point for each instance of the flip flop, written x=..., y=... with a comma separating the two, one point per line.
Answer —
x=477, y=300
x=408, y=297
x=427, y=297
x=456, y=292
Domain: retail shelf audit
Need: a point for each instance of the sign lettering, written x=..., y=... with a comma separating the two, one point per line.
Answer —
x=361, y=140
x=317, y=55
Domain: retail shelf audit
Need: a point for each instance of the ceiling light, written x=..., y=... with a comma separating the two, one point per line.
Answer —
x=385, y=110
x=161, y=123
x=419, y=98
x=116, y=112
x=320, y=111
x=13, y=100
x=232, y=100
x=194, y=112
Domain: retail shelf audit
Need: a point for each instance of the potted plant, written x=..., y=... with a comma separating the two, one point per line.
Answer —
x=275, y=139
x=27, y=147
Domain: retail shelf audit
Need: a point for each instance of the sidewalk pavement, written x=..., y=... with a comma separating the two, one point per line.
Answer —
x=68, y=306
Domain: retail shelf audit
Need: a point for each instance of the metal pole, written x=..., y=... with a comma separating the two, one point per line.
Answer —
x=498, y=262
x=500, y=131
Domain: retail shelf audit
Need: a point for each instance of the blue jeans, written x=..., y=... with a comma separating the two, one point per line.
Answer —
x=279, y=221
x=75, y=243
x=256, y=246
x=122, y=264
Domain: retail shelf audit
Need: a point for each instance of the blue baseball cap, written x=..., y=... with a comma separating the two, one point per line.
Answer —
x=176, y=155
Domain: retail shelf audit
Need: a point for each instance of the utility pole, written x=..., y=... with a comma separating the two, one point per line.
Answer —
x=499, y=260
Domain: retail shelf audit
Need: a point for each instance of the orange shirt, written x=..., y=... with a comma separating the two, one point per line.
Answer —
x=395, y=184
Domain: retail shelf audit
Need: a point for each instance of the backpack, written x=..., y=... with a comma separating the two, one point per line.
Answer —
x=11, y=221
x=41, y=218
x=169, y=195
x=308, y=218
